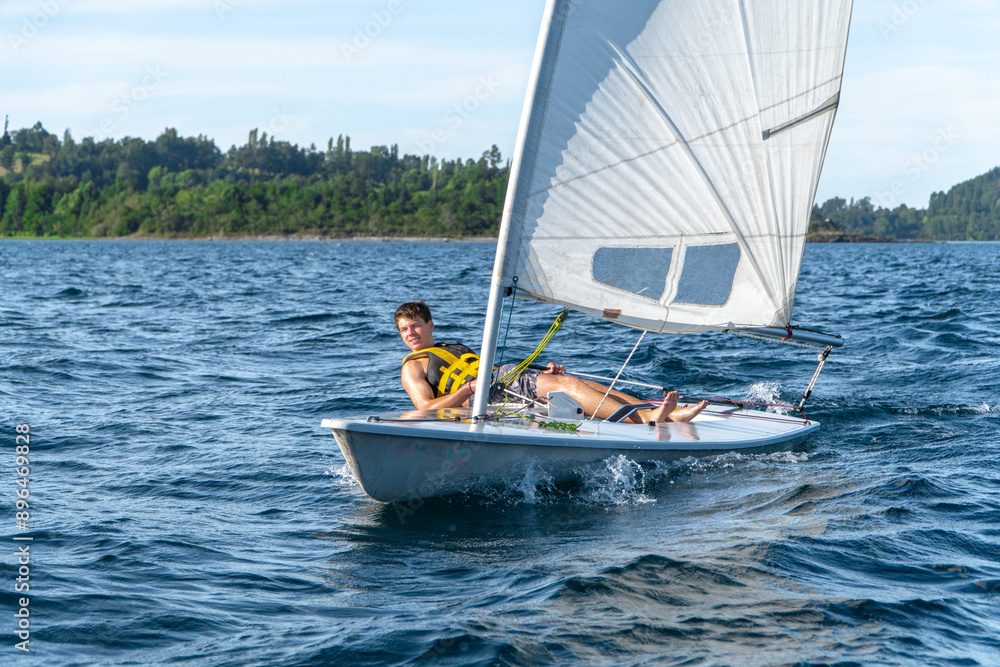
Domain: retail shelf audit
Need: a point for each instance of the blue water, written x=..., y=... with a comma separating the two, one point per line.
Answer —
x=186, y=507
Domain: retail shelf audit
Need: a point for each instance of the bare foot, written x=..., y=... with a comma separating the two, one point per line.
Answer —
x=662, y=413
x=689, y=413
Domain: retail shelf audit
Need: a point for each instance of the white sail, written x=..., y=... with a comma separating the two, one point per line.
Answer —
x=669, y=157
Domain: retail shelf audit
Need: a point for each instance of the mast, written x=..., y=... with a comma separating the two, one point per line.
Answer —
x=491, y=328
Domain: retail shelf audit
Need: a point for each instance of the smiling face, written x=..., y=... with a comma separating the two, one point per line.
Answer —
x=416, y=332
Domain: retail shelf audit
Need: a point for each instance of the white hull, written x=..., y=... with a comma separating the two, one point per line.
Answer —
x=413, y=455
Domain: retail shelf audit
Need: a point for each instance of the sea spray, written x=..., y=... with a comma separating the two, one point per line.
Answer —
x=620, y=481
x=767, y=392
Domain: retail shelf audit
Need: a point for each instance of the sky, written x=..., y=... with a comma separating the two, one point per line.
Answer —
x=918, y=110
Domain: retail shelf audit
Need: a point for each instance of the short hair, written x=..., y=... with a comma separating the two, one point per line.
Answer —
x=412, y=310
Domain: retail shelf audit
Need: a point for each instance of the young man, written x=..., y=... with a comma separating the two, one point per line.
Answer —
x=444, y=376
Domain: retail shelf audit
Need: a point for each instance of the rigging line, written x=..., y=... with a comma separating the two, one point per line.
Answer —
x=503, y=344
x=620, y=370
x=812, y=383
x=520, y=368
x=632, y=69
x=530, y=401
x=607, y=379
x=510, y=314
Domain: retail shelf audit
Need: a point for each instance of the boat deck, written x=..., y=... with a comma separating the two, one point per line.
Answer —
x=726, y=428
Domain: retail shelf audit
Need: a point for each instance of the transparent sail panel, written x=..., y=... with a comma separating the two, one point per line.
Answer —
x=708, y=273
x=641, y=271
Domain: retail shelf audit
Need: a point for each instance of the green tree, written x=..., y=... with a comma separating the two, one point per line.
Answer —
x=7, y=157
x=6, y=140
x=13, y=216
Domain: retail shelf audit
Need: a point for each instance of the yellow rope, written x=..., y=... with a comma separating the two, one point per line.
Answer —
x=520, y=368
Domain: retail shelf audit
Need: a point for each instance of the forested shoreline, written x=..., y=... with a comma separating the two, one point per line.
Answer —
x=969, y=211
x=187, y=187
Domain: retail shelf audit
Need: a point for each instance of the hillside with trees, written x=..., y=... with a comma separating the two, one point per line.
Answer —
x=186, y=186
x=969, y=211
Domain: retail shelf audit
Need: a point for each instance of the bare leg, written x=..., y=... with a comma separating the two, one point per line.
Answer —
x=689, y=413
x=587, y=395
x=665, y=413
x=622, y=397
x=668, y=412
x=591, y=394
x=637, y=417
x=662, y=413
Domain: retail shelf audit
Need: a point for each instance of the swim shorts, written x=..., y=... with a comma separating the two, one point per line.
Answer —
x=524, y=384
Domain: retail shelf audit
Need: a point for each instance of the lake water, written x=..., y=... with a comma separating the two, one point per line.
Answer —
x=187, y=508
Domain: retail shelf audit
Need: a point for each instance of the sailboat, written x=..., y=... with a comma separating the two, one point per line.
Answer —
x=666, y=165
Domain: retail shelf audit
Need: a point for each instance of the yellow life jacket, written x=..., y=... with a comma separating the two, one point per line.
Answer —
x=449, y=366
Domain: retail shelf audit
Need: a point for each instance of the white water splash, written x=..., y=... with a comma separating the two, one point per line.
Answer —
x=713, y=463
x=941, y=410
x=528, y=483
x=614, y=481
x=533, y=481
x=735, y=459
x=342, y=476
x=784, y=457
x=767, y=392
x=620, y=482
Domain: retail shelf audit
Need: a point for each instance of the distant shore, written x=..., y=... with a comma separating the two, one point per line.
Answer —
x=818, y=237
x=259, y=237
x=309, y=237
x=845, y=237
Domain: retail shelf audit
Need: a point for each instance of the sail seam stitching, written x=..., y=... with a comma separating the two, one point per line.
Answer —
x=804, y=93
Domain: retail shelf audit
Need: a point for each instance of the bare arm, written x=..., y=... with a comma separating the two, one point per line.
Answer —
x=414, y=378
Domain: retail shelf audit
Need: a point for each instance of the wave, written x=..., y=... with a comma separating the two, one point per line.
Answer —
x=307, y=319
x=70, y=293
